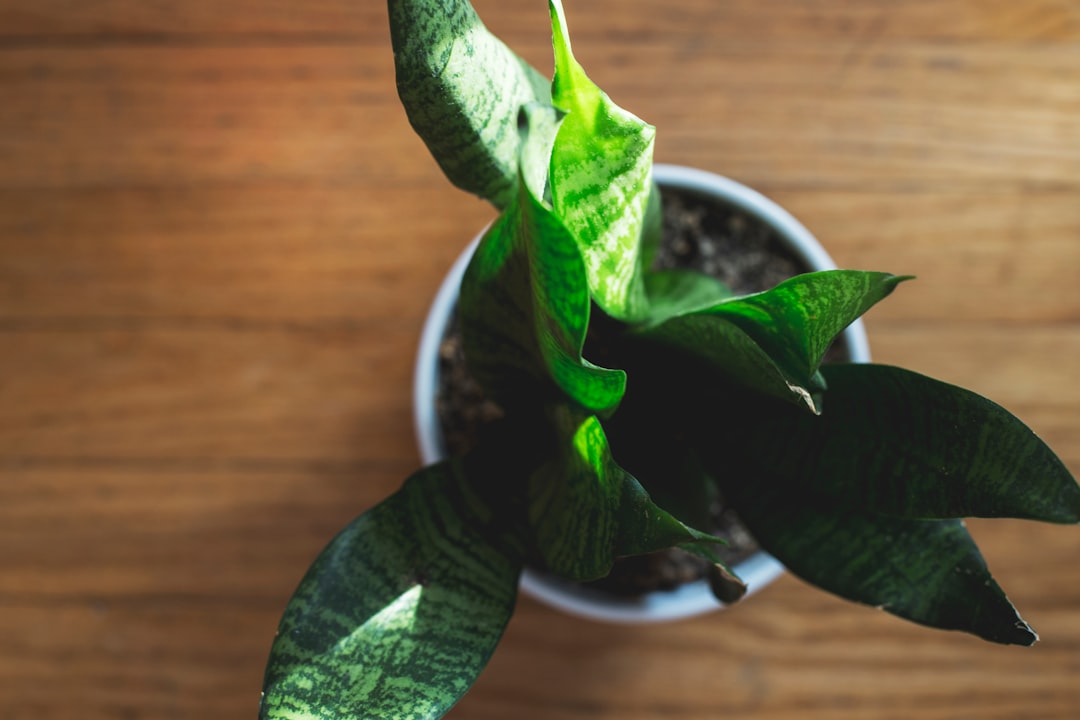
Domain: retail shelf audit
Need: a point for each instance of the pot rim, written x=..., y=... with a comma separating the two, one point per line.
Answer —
x=690, y=599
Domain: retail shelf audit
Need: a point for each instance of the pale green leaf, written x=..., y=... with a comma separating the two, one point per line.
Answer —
x=462, y=89
x=525, y=303
x=601, y=181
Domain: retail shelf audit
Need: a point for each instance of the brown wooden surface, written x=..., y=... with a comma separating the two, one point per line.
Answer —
x=218, y=239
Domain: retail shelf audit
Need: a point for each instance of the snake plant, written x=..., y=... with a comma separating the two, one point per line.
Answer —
x=855, y=477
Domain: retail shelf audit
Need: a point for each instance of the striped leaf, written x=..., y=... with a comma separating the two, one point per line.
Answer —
x=865, y=500
x=586, y=511
x=656, y=452
x=462, y=89
x=927, y=571
x=655, y=448
x=772, y=341
x=399, y=613
x=723, y=347
x=524, y=303
x=898, y=443
x=796, y=321
x=601, y=181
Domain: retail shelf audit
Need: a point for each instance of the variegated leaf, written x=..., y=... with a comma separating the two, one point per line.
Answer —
x=587, y=511
x=525, y=303
x=462, y=89
x=400, y=613
x=601, y=180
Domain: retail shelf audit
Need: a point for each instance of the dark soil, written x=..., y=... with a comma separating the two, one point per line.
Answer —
x=698, y=235
x=460, y=403
x=728, y=244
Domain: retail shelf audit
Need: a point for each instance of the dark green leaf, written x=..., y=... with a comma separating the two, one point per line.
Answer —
x=587, y=511
x=895, y=442
x=653, y=448
x=928, y=571
x=723, y=347
x=400, y=612
x=462, y=89
x=841, y=499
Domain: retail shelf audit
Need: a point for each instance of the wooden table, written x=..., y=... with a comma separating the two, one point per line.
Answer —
x=219, y=238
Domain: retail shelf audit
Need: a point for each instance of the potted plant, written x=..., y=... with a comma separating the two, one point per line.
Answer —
x=617, y=381
x=713, y=225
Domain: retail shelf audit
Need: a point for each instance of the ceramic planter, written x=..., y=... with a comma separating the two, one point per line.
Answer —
x=692, y=598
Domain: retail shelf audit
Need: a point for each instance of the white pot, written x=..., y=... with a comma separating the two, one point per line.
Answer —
x=689, y=599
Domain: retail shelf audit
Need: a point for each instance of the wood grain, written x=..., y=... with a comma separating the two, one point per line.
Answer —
x=885, y=115
x=134, y=252
x=218, y=240
x=975, y=20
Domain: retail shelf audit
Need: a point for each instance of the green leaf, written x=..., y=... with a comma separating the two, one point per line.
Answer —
x=538, y=126
x=860, y=500
x=683, y=292
x=462, y=89
x=652, y=231
x=926, y=571
x=601, y=181
x=525, y=303
x=899, y=443
x=723, y=347
x=771, y=341
x=401, y=611
x=652, y=446
x=796, y=321
x=587, y=511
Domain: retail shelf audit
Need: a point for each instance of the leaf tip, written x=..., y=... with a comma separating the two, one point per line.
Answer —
x=725, y=584
x=806, y=396
x=1018, y=632
x=1022, y=634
